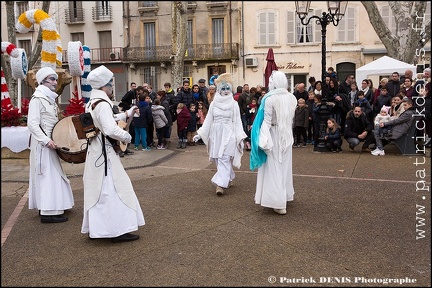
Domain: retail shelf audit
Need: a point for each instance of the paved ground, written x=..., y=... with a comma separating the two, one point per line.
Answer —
x=357, y=220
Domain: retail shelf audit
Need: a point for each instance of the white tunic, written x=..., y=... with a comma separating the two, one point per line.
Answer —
x=274, y=180
x=222, y=130
x=111, y=207
x=49, y=188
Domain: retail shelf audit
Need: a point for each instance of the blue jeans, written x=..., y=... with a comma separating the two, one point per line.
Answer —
x=140, y=136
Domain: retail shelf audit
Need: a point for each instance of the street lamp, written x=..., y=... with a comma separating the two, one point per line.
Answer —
x=336, y=10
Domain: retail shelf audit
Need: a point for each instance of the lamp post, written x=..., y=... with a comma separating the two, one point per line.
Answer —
x=336, y=10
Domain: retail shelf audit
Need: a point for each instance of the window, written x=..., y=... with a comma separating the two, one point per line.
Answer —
x=20, y=7
x=150, y=76
x=218, y=36
x=388, y=18
x=297, y=33
x=148, y=3
x=26, y=45
x=189, y=37
x=347, y=28
x=75, y=13
x=103, y=11
x=105, y=44
x=267, y=28
x=78, y=37
x=150, y=40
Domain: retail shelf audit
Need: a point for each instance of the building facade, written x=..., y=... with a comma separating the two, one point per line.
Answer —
x=133, y=39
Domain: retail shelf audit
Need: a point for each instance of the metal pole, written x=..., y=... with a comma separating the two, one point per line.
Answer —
x=324, y=24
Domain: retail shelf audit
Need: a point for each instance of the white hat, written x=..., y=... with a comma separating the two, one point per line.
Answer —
x=44, y=73
x=99, y=77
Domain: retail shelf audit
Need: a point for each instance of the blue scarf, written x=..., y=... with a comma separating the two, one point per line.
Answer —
x=257, y=155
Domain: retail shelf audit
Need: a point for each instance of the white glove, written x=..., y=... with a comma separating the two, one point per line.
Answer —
x=131, y=111
x=196, y=138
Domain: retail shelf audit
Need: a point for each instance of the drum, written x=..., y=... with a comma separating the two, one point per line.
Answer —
x=69, y=147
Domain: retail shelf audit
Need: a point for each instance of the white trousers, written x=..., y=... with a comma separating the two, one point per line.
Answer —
x=225, y=173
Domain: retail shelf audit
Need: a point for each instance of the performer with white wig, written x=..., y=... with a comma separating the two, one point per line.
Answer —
x=222, y=133
x=271, y=141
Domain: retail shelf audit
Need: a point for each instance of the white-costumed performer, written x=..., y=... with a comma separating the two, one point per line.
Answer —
x=271, y=141
x=222, y=133
x=49, y=188
x=111, y=207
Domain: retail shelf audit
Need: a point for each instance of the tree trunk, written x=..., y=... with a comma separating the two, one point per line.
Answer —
x=179, y=32
x=409, y=18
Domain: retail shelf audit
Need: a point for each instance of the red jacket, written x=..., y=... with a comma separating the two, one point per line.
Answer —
x=183, y=119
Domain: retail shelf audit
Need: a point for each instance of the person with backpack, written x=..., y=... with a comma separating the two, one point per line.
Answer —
x=111, y=207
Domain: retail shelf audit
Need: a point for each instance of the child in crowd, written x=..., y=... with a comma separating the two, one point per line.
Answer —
x=192, y=125
x=141, y=122
x=183, y=117
x=332, y=136
x=364, y=104
x=301, y=122
x=353, y=94
x=309, y=104
x=382, y=117
x=316, y=118
x=252, y=109
x=202, y=113
x=160, y=121
x=150, y=127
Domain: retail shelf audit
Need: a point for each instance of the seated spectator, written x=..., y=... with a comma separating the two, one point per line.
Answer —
x=358, y=129
x=396, y=107
x=399, y=125
x=332, y=136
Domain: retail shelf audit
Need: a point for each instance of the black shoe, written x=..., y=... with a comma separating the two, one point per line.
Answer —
x=121, y=154
x=128, y=152
x=53, y=218
x=125, y=238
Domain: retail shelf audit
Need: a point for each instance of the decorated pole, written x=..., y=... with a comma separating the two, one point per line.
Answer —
x=19, y=71
x=85, y=85
x=8, y=111
x=51, y=55
x=76, y=64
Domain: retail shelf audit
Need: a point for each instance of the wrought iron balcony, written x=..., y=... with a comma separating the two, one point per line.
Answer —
x=101, y=55
x=75, y=15
x=195, y=52
x=205, y=52
x=102, y=13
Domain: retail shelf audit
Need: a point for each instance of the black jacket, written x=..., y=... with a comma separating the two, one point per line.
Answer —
x=355, y=126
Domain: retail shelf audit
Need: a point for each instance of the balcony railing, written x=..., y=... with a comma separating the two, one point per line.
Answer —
x=195, y=52
x=210, y=52
x=75, y=15
x=101, y=55
x=100, y=13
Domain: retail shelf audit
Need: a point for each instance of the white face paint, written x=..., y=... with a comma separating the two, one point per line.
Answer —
x=225, y=89
x=51, y=82
x=109, y=90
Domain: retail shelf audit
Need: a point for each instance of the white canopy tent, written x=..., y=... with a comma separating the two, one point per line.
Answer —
x=383, y=66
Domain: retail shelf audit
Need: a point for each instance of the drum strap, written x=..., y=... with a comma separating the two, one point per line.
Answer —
x=104, y=154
